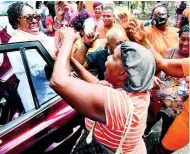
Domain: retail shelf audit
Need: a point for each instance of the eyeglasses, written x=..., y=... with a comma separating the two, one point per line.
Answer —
x=29, y=18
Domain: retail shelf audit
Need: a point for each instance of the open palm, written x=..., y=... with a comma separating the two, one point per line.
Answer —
x=61, y=7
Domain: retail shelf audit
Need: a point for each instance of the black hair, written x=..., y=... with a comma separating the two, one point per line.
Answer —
x=78, y=21
x=38, y=3
x=184, y=20
x=108, y=8
x=14, y=12
x=51, y=8
x=159, y=5
x=45, y=3
x=184, y=29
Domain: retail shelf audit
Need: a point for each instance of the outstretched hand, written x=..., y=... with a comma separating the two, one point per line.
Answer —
x=91, y=37
x=61, y=7
x=123, y=20
x=134, y=29
x=157, y=82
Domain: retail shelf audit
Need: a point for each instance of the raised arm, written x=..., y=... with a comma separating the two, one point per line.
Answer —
x=134, y=30
x=80, y=55
x=171, y=67
x=86, y=98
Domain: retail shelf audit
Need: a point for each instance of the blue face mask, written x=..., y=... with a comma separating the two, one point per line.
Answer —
x=159, y=21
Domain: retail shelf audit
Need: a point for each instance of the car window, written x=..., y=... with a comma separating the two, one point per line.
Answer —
x=15, y=94
x=24, y=86
x=39, y=78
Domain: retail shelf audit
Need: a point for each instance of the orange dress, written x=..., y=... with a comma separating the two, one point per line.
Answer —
x=177, y=135
x=161, y=41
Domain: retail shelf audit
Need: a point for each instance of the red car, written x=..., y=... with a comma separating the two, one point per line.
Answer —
x=52, y=127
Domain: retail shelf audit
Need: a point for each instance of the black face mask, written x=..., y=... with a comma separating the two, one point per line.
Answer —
x=159, y=21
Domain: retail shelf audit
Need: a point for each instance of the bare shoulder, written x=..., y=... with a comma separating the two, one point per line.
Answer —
x=166, y=54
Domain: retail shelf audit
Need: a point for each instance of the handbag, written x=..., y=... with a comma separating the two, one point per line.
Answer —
x=87, y=144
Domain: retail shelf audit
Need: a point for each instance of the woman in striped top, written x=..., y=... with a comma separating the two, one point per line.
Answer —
x=130, y=70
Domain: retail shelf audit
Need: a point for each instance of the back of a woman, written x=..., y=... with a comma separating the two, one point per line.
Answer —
x=116, y=107
x=119, y=110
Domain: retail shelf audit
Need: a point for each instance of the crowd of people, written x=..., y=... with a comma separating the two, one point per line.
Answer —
x=135, y=66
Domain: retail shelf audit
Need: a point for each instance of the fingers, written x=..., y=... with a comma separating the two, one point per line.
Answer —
x=157, y=82
x=123, y=16
x=96, y=36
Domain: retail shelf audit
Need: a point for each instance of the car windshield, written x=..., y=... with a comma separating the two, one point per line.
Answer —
x=4, y=6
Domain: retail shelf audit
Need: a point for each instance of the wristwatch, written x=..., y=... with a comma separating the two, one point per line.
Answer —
x=87, y=45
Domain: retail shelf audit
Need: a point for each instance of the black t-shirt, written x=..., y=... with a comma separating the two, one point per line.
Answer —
x=96, y=60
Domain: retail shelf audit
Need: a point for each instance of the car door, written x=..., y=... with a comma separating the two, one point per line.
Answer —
x=35, y=112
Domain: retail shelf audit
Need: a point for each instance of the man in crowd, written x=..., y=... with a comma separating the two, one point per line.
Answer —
x=97, y=59
x=108, y=22
x=160, y=35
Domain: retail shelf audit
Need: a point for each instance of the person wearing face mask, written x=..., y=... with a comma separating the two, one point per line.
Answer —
x=159, y=35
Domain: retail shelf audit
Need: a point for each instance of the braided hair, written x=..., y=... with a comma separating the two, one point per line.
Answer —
x=14, y=12
x=184, y=29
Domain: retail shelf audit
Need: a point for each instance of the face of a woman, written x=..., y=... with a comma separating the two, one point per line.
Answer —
x=114, y=66
x=26, y=25
x=98, y=11
x=184, y=44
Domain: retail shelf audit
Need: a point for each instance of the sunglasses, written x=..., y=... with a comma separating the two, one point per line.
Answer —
x=29, y=18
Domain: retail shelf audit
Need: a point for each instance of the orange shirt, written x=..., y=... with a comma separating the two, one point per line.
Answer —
x=185, y=66
x=116, y=110
x=162, y=41
x=101, y=29
x=177, y=135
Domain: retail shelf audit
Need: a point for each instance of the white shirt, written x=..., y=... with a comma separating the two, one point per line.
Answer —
x=41, y=84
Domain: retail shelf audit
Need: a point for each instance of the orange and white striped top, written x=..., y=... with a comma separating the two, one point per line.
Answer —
x=116, y=109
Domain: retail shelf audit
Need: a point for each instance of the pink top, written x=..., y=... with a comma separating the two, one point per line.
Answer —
x=49, y=21
x=116, y=109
